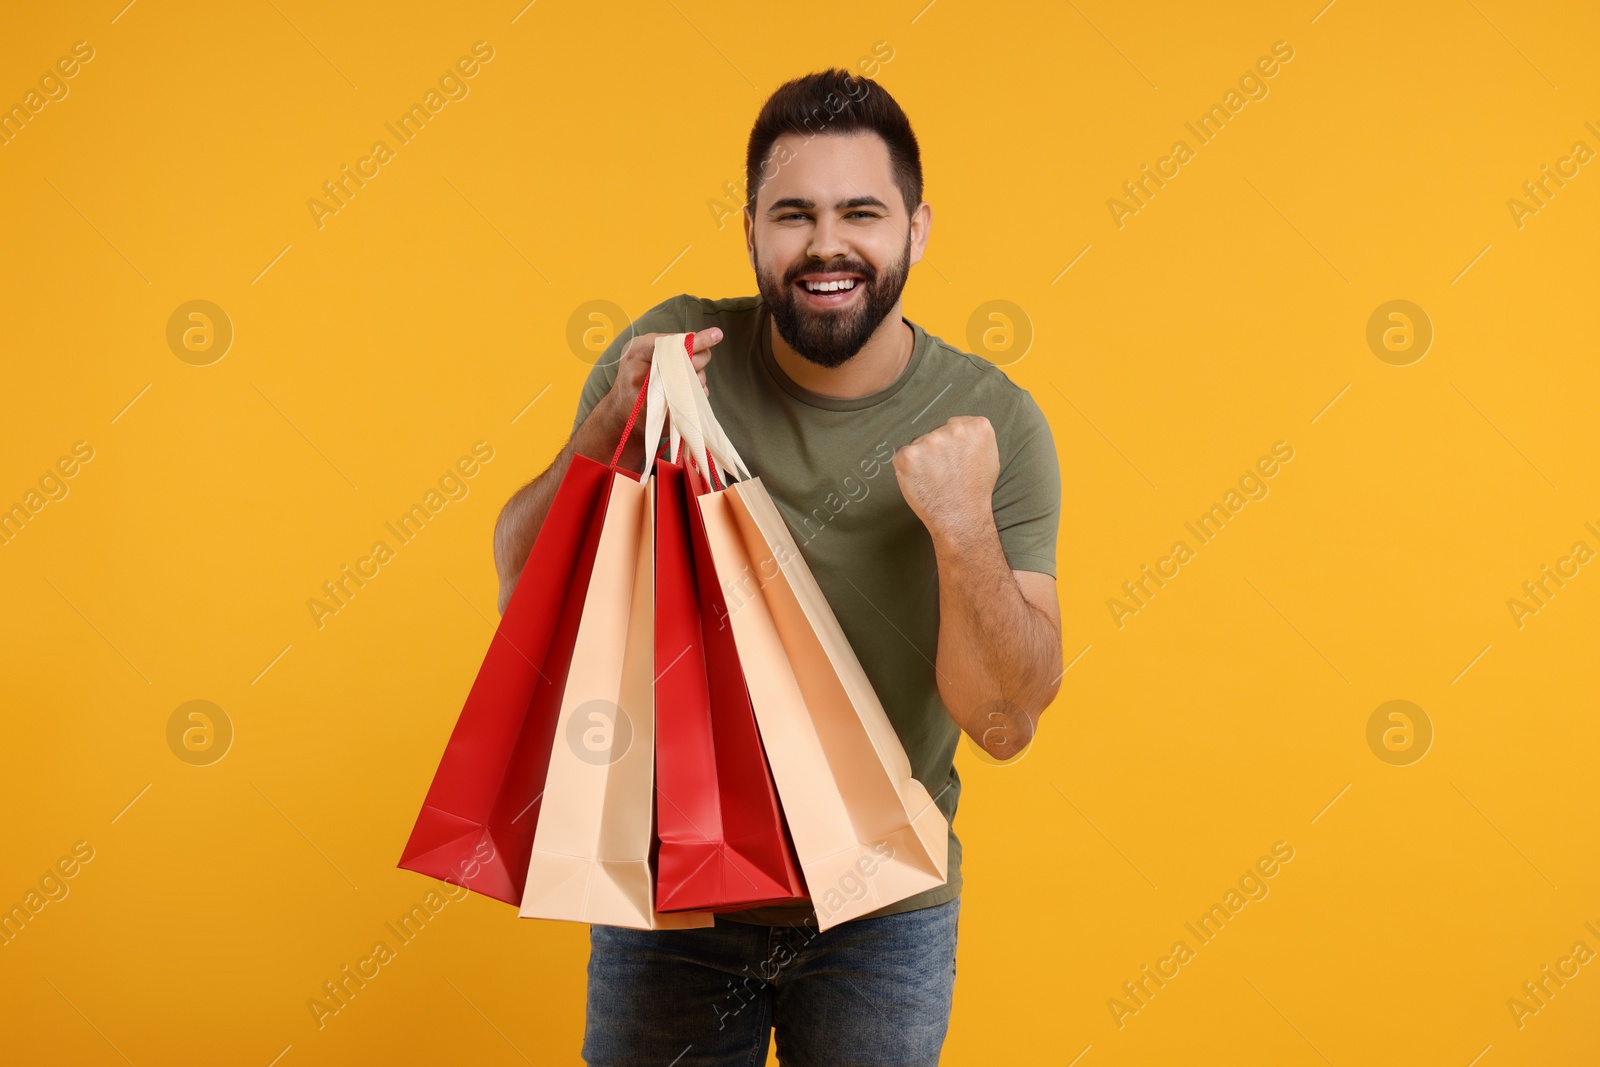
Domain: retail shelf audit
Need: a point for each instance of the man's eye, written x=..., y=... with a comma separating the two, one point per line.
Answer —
x=863, y=214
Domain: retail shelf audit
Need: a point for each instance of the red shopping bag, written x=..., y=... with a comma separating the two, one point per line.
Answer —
x=723, y=841
x=477, y=823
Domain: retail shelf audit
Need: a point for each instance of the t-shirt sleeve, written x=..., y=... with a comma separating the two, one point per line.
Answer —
x=669, y=316
x=1027, y=494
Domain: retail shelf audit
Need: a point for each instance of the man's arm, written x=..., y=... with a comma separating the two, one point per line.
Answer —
x=999, y=657
x=523, y=515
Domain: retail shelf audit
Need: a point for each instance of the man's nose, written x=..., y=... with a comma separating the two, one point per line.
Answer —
x=827, y=240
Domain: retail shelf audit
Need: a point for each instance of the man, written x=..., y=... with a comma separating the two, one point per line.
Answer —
x=923, y=490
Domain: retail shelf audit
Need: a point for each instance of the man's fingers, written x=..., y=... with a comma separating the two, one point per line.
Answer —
x=706, y=338
x=702, y=347
x=640, y=353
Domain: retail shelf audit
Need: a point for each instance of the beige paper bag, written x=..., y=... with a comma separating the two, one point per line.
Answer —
x=866, y=832
x=591, y=851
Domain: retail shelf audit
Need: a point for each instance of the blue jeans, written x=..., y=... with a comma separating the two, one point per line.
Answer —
x=870, y=991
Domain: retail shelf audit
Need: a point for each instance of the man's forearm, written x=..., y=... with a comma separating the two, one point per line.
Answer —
x=523, y=515
x=999, y=657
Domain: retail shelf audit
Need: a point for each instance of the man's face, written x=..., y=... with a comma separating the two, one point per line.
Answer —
x=832, y=215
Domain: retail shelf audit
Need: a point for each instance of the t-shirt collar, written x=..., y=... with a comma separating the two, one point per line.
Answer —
x=919, y=344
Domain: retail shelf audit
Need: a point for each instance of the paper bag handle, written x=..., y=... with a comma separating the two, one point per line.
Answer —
x=671, y=398
x=691, y=414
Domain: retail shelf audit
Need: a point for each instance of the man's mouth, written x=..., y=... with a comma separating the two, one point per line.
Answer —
x=829, y=290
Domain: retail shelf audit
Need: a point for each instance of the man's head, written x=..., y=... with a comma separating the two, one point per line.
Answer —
x=835, y=198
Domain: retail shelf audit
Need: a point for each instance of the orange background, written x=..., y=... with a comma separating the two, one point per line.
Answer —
x=1229, y=313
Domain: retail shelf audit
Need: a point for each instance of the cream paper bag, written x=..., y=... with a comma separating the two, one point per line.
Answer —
x=866, y=832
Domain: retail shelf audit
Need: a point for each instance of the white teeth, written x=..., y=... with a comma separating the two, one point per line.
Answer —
x=831, y=287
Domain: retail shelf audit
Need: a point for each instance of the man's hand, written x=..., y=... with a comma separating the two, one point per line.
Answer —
x=947, y=475
x=604, y=425
x=596, y=438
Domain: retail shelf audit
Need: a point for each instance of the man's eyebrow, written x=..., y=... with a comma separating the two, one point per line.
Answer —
x=843, y=205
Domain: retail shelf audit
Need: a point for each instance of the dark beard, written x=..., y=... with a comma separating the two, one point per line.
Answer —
x=830, y=338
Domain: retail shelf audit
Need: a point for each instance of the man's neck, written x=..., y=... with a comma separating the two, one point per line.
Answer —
x=877, y=366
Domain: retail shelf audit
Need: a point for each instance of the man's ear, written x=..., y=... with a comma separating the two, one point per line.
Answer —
x=749, y=245
x=921, y=223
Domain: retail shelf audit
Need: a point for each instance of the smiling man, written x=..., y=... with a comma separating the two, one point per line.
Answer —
x=923, y=489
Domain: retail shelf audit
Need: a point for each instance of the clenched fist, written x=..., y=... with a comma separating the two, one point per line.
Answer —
x=947, y=475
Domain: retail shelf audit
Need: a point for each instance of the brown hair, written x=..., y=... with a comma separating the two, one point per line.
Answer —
x=834, y=101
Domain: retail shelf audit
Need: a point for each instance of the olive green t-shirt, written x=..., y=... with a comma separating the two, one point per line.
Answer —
x=825, y=462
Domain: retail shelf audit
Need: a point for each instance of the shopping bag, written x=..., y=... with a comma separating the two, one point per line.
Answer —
x=476, y=826
x=723, y=843
x=593, y=849
x=866, y=832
